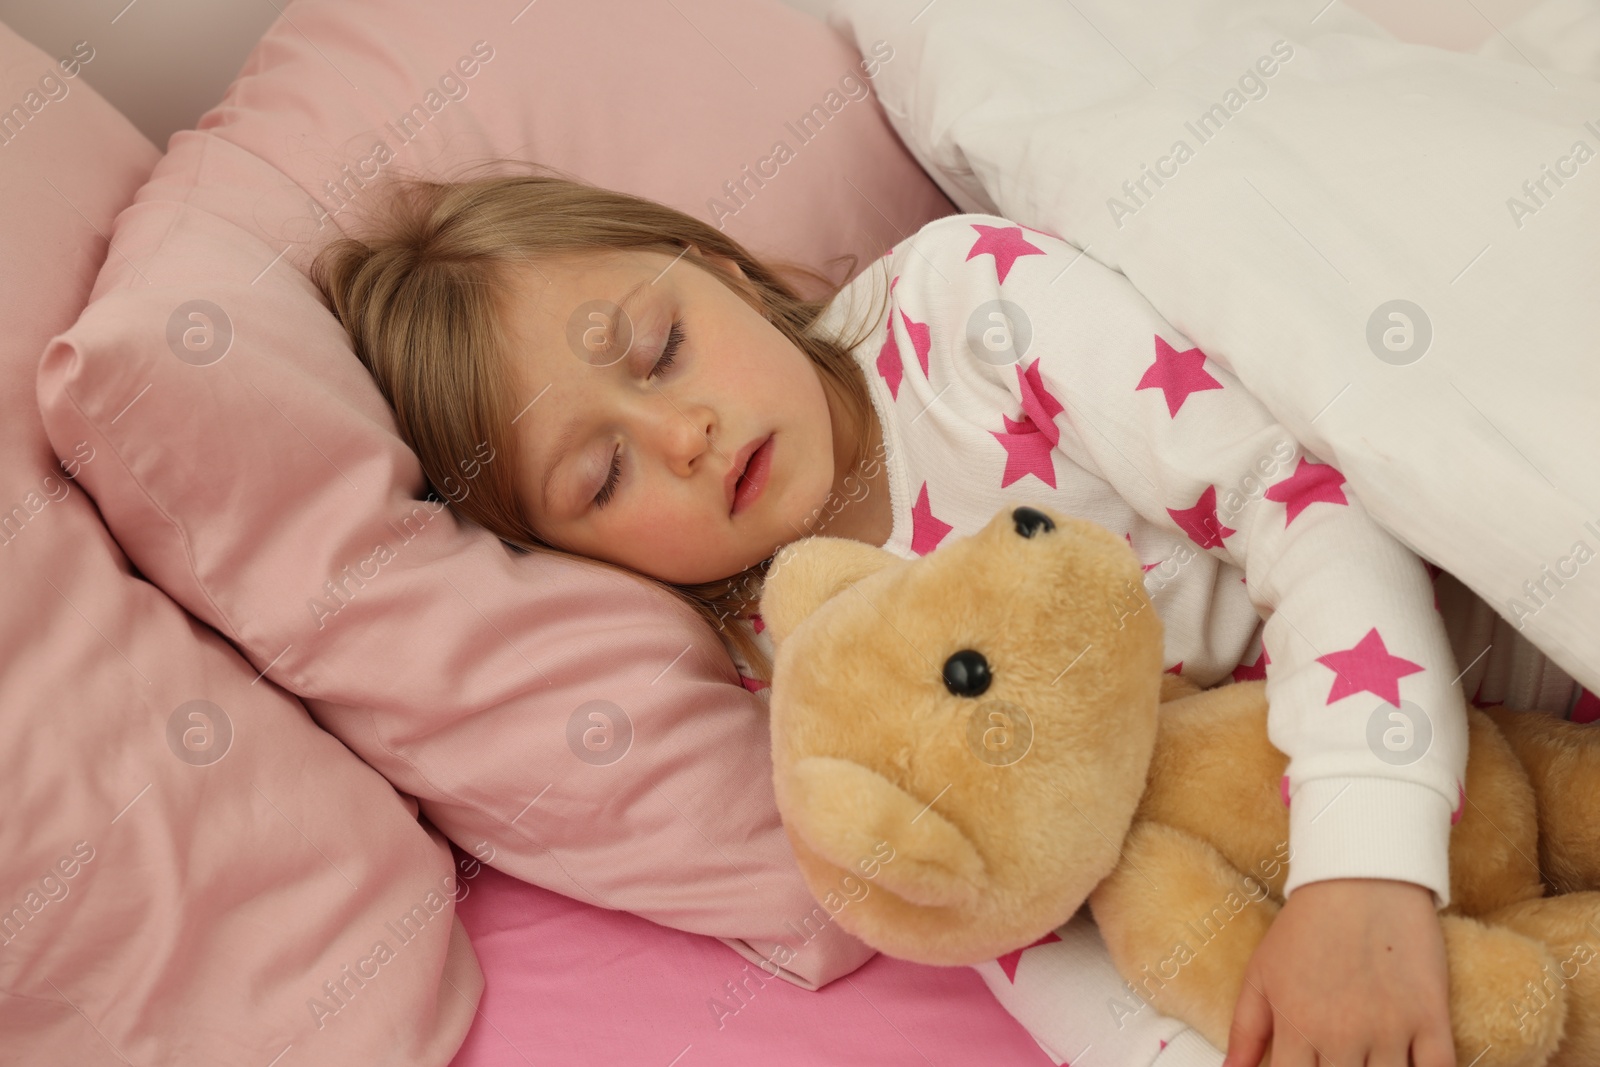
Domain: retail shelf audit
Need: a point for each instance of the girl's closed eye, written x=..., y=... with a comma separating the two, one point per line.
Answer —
x=669, y=353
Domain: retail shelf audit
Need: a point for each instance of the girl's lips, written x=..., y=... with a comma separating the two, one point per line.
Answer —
x=755, y=476
x=741, y=459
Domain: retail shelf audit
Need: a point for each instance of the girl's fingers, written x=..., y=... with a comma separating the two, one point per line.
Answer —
x=1390, y=1056
x=1291, y=1049
x=1433, y=1048
x=1251, y=1028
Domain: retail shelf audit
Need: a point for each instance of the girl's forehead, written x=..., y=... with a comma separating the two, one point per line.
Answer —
x=553, y=286
x=544, y=286
x=557, y=296
x=603, y=264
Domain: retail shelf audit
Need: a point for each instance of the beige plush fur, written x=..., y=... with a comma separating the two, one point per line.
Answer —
x=982, y=820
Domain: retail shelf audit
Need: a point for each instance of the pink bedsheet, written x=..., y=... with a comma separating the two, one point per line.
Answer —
x=572, y=984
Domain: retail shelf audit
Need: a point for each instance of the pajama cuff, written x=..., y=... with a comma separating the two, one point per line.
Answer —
x=1188, y=1049
x=1369, y=828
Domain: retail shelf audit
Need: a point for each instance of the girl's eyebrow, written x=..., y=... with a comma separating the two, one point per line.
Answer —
x=566, y=438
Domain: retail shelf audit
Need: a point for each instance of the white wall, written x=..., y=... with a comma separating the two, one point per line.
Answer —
x=165, y=62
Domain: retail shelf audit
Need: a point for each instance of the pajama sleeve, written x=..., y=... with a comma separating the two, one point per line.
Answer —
x=1360, y=676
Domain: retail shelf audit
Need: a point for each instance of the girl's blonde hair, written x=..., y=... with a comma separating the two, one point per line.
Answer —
x=420, y=294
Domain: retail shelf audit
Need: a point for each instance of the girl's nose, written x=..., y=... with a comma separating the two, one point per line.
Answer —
x=686, y=435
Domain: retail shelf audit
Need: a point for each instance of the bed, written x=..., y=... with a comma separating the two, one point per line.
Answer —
x=570, y=983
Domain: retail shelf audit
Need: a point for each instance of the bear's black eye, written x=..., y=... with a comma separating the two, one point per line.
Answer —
x=966, y=674
x=1031, y=520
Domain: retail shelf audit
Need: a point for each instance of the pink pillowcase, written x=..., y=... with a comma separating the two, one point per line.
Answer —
x=185, y=857
x=252, y=470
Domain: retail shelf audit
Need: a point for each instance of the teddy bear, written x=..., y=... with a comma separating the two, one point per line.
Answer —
x=990, y=728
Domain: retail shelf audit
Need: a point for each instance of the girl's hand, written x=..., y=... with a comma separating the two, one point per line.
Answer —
x=1351, y=974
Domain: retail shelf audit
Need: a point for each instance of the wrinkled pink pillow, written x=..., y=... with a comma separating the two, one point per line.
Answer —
x=253, y=471
x=185, y=856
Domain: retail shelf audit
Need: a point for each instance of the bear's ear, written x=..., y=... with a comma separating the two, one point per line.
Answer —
x=807, y=573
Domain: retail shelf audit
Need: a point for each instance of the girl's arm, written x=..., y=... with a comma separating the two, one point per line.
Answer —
x=1361, y=679
x=1360, y=675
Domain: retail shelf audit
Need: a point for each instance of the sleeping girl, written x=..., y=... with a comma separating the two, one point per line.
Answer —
x=660, y=401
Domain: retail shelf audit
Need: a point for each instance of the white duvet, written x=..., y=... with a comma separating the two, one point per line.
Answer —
x=1395, y=247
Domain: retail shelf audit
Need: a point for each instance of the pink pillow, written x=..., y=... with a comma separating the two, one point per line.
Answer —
x=256, y=475
x=185, y=857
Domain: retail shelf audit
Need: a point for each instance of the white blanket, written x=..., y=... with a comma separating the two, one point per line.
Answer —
x=1360, y=172
x=1275, y=178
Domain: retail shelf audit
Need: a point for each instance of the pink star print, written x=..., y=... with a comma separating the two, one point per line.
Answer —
x=1367, y=667
x=890, y=366
x=926, y=530
x=1177, y=374
x=1008, y=962
x=1461, y=803
x=1142, y=566
x=1587, y=709
x=758, y=622
x=890, y=369
x=1254, y=671
x=1027, y=452
x=1200, y=522
x=1310, y=483
x=1040, y=407
x=1005, y=244
x=920, y=340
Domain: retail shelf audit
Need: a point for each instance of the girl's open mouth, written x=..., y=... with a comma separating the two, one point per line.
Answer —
x=754, y=479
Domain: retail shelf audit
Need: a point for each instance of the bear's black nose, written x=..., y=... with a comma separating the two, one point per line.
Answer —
x=966, y=674
x=1031, y=520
